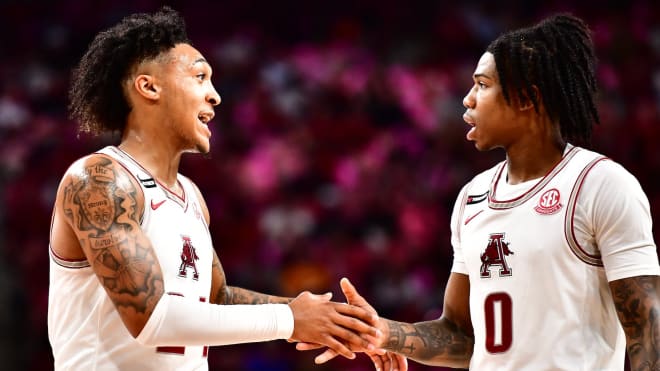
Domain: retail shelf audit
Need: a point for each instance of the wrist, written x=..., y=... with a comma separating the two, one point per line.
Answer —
x=383, y=326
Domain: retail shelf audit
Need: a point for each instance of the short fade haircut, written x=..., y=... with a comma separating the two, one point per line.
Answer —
x=557, y=56
x=96, y=96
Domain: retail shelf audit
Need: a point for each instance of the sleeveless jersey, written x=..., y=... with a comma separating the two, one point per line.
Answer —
x=539, y=263
x=85, y=330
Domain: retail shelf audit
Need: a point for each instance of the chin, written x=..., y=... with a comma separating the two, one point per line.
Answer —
x=481, y=147
x=203, y=148
x=201, y=145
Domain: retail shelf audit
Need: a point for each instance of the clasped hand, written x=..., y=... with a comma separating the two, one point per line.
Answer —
x=370, y=342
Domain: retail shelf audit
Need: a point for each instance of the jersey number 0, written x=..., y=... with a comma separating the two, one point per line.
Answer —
x=499, y=327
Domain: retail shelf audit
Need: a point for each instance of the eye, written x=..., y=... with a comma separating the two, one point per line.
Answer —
x=481, y=85
x=201, y=76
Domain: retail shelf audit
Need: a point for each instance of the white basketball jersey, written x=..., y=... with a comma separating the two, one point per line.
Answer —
x=539, y=294
x=85, y=330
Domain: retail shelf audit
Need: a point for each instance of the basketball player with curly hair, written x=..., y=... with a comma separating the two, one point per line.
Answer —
x=135, y=283
x=555, y=267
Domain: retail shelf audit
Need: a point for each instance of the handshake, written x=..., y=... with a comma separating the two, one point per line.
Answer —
x=343, y=329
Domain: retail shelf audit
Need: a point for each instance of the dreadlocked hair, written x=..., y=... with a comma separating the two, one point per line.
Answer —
x=96, y=97
x=557, y=57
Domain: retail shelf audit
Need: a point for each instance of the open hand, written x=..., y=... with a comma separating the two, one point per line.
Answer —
x=383, y=361
x=341, y=327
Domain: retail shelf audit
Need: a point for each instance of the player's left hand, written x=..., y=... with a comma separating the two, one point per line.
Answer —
x=383, y=360
x=389, y=361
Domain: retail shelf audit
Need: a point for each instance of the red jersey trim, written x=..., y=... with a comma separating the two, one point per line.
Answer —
x=496, y=204
x=569, y=220
x=181, y=200
x=461, y=212
x=68, y=263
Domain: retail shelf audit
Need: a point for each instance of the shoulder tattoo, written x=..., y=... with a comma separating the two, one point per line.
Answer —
x=101, y=206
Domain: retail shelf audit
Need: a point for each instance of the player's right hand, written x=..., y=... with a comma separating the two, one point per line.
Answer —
x=382, y=360
x=341, y=327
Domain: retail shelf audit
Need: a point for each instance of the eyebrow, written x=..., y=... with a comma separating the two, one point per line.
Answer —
x=200, y=60
x=478, y=75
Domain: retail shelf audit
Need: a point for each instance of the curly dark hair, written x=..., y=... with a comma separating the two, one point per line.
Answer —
x=557, y=56
x=96, y=97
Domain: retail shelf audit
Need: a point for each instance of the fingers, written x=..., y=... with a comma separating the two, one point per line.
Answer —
x=325, y=356
x=352, y=296
x=389, y=362
x=341, y=327
x=302, y=346
x=356, y=327
x=366, y=316
x=338, y=348
x=351, y=338
x=401, y=361
x=379, y=361
x=356, y=320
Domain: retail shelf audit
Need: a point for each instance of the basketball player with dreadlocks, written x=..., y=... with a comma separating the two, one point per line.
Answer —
x=135, y=282
x=555, y=267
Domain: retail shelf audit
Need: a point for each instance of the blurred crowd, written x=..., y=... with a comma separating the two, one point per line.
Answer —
x=338, y=149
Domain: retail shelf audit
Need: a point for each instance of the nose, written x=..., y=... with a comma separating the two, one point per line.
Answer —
x=213, y=97
x=468, y=100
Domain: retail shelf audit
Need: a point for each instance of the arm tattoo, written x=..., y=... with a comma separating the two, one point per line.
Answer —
x=238, y=295
x=101, y=206
x=223, y=294
x=431, y=342
x=638, y=305
x=219, y=289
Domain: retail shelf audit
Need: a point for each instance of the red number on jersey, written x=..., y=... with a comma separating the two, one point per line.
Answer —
x=499, y=326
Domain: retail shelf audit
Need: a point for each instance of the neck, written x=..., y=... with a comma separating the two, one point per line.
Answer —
x=153, y=153
x=536, y=153
x=532, y=162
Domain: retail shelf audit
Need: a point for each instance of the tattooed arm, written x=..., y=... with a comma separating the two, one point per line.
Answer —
x=316, y=318
x=447, y=341
x=100, y=204
x=223, y=294
x=637, y=302
x=438, y=343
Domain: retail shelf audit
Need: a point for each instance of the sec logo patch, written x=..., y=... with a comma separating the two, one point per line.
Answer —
x=549, y=202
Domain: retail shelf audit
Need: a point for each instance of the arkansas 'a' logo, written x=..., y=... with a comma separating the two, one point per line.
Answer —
x=188, y=257
x=495, y=255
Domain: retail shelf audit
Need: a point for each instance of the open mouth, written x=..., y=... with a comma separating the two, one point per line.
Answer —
x=205, y=117
x=468, y=120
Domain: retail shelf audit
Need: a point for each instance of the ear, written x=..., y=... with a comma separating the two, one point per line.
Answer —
x=527, y=102
x=146, y=86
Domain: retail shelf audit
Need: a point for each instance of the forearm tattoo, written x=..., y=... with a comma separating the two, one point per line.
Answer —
x=238, y=295
x=638, y=305
x=219, y=289
x=101, y=206
x=430, y=342
x=223, y=294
